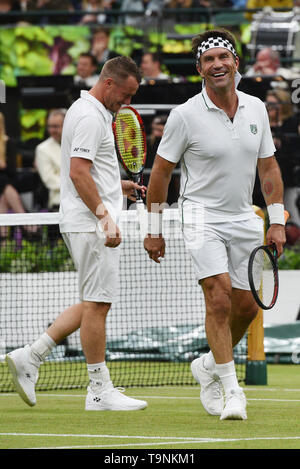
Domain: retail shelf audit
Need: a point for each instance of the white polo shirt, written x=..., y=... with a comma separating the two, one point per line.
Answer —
x=218, y=157
x=87, y=133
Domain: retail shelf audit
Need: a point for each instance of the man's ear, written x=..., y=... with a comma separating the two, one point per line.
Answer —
x=199, y=69
x=237, y=62
x=109, y=82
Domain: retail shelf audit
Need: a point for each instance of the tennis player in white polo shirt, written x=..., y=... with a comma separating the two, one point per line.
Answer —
x=221, y=136
x=91, y=204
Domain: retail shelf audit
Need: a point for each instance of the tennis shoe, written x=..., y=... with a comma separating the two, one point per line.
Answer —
x=235, y=406
x=211, y=395
x=24, y=371
x=111, y=398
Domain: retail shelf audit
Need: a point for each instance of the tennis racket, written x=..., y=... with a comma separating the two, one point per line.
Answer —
x=263, y=274
x=130, y=143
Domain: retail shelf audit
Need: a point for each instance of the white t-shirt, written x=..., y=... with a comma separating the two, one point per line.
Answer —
x=218, y=157
x=87, y=133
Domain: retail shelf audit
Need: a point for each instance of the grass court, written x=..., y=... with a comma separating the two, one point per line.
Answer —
x=174, y=419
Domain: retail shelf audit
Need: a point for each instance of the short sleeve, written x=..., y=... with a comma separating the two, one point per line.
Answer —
x=174, y=140
x=267, y=147
x=87, y=135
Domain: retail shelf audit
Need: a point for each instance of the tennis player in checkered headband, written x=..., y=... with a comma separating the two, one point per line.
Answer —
x=221, y=136
x=213, y=42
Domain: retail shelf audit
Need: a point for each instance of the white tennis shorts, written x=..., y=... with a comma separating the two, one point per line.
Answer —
x=97, y=266
x=222, y=247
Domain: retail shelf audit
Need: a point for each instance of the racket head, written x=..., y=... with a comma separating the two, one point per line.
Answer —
x=263, y=276
x=130, y=141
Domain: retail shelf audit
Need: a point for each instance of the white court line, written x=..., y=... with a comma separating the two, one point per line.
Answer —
x=130, y=445
x=199, y=441
x=81, y=396
x=171, y=440
x=144, y=437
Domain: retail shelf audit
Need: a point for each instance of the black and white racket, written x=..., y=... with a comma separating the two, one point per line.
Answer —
x=131, y=148
x=263, y=275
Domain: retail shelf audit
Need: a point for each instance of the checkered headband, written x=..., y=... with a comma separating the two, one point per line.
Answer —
x=213, y=42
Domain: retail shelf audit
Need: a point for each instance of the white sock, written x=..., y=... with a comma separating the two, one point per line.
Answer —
x=98, y=373
x=227, y=375
x=42, y=347
x=209, y=361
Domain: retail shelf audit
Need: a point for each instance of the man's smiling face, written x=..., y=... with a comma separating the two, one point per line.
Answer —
x=217, y=67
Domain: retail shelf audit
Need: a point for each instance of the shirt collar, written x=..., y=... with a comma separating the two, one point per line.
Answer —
x=210, y=105
x=106, y=114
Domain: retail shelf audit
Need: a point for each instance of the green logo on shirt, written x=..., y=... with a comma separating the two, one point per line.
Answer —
x=253, y=128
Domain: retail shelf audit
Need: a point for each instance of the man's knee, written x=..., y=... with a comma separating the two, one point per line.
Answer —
x=217, y=293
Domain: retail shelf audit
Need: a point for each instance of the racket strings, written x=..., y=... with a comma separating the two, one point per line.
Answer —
x=130, y=141
x=263, y=276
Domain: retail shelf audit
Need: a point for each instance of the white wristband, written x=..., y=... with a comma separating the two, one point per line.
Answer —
x=276, y=214
x=154, y=223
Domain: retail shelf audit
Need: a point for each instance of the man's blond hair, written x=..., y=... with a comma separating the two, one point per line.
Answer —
x=120, y=68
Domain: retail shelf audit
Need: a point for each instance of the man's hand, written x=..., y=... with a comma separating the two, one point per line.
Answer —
x=155, y=247
x=129, y=188
x=276, y=235
x=111, y=232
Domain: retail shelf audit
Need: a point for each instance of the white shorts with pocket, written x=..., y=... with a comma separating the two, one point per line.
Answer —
x=223, y=247
x=97, y=266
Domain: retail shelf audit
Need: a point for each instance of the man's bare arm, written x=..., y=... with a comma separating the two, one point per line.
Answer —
x=272, y=190
x=156, y=197
x=270, y=180
x=159, y=182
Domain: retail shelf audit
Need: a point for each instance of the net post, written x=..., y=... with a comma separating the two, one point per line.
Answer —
x=256, y=366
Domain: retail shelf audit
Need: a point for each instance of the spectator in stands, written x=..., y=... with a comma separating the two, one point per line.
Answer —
x=48, y=5
x=153, y=139
x=48, y=158
x=154, y=7
x=86, y=76
x=182, y=16
x=239, y=3
x=10, y=199
x=93, y=6
x=129, y=6
x=100, y=46
x=151, y=67
x=204, y=17
x=267, y=3
x=268, y=63
x=285, y=128
x=5, y=7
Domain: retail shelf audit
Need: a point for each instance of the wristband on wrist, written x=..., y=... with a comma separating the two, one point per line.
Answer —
x=154, y=223
x=276, y=214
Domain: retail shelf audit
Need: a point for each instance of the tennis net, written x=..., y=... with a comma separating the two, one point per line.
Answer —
x=154, y=329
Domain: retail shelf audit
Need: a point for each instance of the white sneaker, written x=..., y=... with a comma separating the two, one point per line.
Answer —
x=24, y=371
x=211, y=394
x=235, y=406
x=111, y=398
